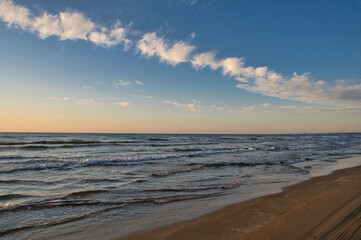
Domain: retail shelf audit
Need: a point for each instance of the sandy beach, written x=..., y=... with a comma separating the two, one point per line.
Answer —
x=325, y=207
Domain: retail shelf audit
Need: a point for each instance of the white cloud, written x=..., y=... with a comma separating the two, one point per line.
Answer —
x=141, y=96
x=313, y=109
x=65, y=25
x=87, y=101
x=57, y=99
x=72, y=25
x=88, y=88
x=14, y=14
x=123, y=104
x=305, y=89
x=108, y=38
x=242, y=80
x=214, y=107
x=153, y=46
x=346, y=91
x=233, y=67
x=137, y=82
x=192, y=2
x=269, y=108
x=249, y=109
x=298, y=87
x=266, y=82
x=188, y=2
x=202, y=60
x=193, y=107
x=122, y=83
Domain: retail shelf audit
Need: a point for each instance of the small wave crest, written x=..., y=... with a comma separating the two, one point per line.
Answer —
x=85, y=193
x=63, y=202
x=158, y=139
x=187, y=149
x=11, y=157
x=28, y=182
x=233, y=185
x=97, y=180
x=13, y=196
x=196, y=166
x=173, y=198
x=175, y=171
x=40, y=145
x=199, y=189
x=55, y=203
x=35, y=147
x=124, y=160
x=42, y=166
x=11, y=143
x=54, y=223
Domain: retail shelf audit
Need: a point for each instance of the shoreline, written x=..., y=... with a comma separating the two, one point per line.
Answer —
x=323, y=205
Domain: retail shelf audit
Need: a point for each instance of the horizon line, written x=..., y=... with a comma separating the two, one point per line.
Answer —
x=159, y=133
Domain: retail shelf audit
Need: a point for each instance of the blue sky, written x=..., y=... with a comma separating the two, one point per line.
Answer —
x=180, y=66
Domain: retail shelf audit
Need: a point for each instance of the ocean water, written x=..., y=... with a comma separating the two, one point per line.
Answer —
x=99, y=186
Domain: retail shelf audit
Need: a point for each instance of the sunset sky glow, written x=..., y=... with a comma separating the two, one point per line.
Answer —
x=182, y=66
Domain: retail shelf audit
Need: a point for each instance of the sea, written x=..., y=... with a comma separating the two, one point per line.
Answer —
x=101, y=186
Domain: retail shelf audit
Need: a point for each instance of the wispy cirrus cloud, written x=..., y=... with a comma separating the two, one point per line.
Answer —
x=89, y=101
x=88, y=88
x=69, y=25
x=188, y=2
x=268, y=108
x=194, y=106
x=123, y=104
x=57, y=99
x=139, y=83
x=122, y=83
x=141, y=96
x=261, y=109
x=216, y=108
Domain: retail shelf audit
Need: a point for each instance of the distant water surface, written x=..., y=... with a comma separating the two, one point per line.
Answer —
x=96, y=186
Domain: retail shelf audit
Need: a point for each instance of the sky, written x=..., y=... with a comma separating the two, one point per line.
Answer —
x=180, y=66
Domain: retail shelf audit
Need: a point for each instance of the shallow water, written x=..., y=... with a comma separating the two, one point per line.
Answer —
x=90, y=186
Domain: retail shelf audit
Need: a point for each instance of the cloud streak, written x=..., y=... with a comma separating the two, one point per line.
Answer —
x=88, y=88
x=72, y=25
x=269, y=108
x=195, y=106
x=122, y=83
x=261, y=109
x=153, y=46
x=89, y=101
x=57, y=99
x=267, y=82
x=64, y=25
x=123, y=104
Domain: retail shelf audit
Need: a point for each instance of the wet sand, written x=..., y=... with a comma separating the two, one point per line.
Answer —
x=325, y=207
